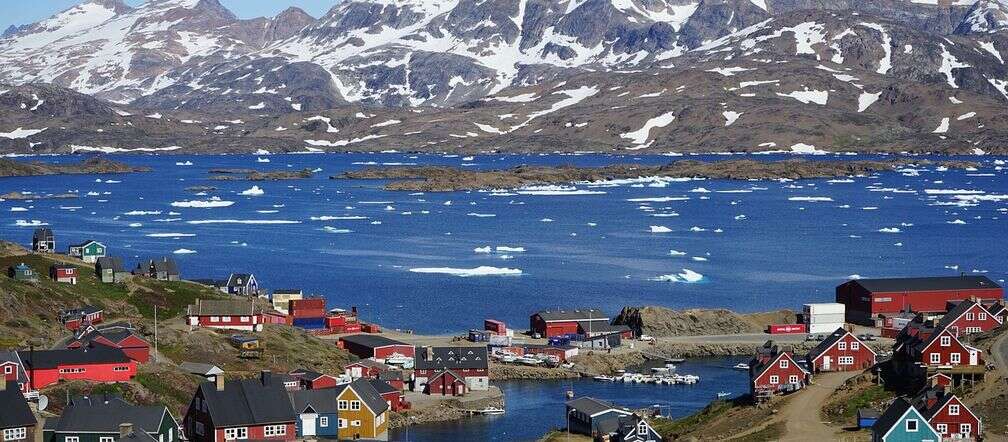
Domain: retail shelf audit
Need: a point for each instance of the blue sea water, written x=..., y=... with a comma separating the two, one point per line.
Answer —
x=536, y=407
x=756, y=247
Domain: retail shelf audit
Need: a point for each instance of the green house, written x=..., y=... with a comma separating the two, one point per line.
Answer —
x=108, y=418
x=23, y=272
x=89, y=251
x=901, y=422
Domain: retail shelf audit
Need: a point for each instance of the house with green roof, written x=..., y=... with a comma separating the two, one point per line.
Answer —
x=107, y=418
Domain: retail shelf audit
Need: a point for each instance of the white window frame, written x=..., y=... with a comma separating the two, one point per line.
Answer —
x=845, y=360
x=946, y=341
x=774, y=379
x=323, y=421
x=106, y=439
x=954, y=410
x=19, y=433
x=342, y=423
x=841, y=345
x=793, y=379
x=274, y=430
x=355, y=423
x=981, y=316
x=916, y=425
x=955, y=358
x=236, y=433
x=215, y=319
x=71, y=439
x=8, y=369
x=354, y=405
x=969, y=316
x=225, y=319
x=855, y=346
x=936, y=358
x=965, y=429
x=343, y=404
x=941, y=428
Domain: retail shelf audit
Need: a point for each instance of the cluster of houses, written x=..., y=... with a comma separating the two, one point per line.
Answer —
x=929, y=355
x=608, y=422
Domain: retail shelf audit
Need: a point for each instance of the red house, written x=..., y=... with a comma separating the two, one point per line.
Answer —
x=967, y=317
x=76, y=318
x=940, y=380
x=437, y=370
x=865, y=299
x=366, y=368
x=933, y=348
x=394, y=396
x=226, y=314
x=841, y=351
x=375, y=346
x=97, y=364
x=63, y=273
x=117, y=336
x=948, y=415
x=550, y=323
x=311, y=380
x=446, y=383
x=13, y=370
x=772, y=371
x=248, y=409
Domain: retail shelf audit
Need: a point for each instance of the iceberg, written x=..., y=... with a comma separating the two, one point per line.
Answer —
x=206, y=204
x=465, y=273
x=660, y=229
x=183, y=251
x=510, y=249
x=484, y=249
x=254, y=191
x=889, y=230
x=686, y=276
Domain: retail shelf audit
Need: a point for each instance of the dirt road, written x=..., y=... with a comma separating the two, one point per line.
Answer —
x=801, y=414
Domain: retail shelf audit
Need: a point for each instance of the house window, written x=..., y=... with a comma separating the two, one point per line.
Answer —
x=199, y=428
x=8, y=369
x=235, y=433
x=106, y=439
x=120, y=368
x=946, y=341
x=214, y=319
x=841, y=345
x=965, y=429
x=845, y=360
x=936, y=358
x=244, y=319
x=784, y=363
x=982, y=316
x=969, y=316
x=774, y=379
x=953, y=410
x=226, y=318
x=323, y=421
x=793, y=379
x=342, y=423
x=342, y=405
x=71, y=439
x=354, y=405
x=275, y=430
x=855, y=346
x=15, y=433
x=355, y=423
x=942, y=428
x=954, y=358
x=911, y=425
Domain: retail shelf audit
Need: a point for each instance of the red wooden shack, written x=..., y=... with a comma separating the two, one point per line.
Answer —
x=550, y=323
x=773, y=371
x=495, y=326
x=865, y=299
x=841, y=351
x=121, y=337
x=98, y=364
x=63, y=273
x=446, y=383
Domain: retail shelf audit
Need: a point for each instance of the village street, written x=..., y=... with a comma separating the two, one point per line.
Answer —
x=801, y=413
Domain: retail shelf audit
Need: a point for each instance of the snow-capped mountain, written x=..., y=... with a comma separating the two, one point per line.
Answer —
x=528, y=74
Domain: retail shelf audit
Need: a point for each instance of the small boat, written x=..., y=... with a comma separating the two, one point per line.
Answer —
x=674, y=361
x=741, y=366
x=507, y=357
x=491, y=411
x=604, y=378
x=723, y=394
x=525, y=360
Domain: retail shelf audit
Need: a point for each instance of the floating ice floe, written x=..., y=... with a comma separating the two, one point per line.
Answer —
x=243, y=221
x=18, y=209
x=253, y=191
x=170, y=235
x=142, y=212
x=686, y=276
x=660, y=229
x=484, y=249
x=659, y=199
x=546, y=220
x=330, y=229
x=854, y=276
x=481, y=215
x=554, y=190
x=676, y=253
x=953, y=192
x=956, y=221
x=206, y=204
x=337, y=218
x=509, y=249
x=30, y=223
x=890, y=230
x=184, y=251
x=699, y=258
x=476, y=271
x=183, y=163
x=811, y=199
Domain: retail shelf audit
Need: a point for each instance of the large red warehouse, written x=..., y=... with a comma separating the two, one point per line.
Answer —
x=867, y=298
x=375, y=346
x=550, y=323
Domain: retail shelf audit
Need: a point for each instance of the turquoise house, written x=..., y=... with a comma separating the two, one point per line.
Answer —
x=901, y=422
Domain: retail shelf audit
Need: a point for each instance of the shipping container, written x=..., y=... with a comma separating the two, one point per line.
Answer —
x=824, y=327
x=309, y=323
x=495, y=326
x=351, y=328
x=335, y=321
x=313, y=303
x=370, y=328
x=559, y=341
x=307, y=313
x=825, y=317
x=785, y=329
x=500, y=341
x=479, y=335
x=825, y=307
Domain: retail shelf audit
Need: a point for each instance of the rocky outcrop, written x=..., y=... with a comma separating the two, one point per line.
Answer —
x=94, y=165
x=661, y=321
x=255, y=175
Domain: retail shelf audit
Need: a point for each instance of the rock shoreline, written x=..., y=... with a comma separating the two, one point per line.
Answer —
x=257, y=175
x=11, y=168
x=449, y=179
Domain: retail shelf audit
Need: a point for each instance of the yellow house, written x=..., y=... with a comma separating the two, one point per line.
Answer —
x=362, y=412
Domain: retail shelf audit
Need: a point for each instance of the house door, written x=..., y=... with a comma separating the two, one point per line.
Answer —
x=974, y=359
x=308, y=424
x=826, y=362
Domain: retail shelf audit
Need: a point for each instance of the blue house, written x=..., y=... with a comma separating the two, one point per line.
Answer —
x=594, y=417
x=901, y=422
x=316, y=410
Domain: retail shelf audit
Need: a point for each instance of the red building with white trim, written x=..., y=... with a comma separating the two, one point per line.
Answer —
x=248, y=409
x=97, y=364
x=225, y=314
x=967, y=317
x=841, y=351
x=76, y=318
x=865, y=299
x=63, y=273
x=550, y=323
x=375, y=346
x=116, y=336
x=772, y=371
x=312, y=380
x=948, y=415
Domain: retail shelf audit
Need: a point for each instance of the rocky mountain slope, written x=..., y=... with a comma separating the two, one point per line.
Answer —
x=531, y=75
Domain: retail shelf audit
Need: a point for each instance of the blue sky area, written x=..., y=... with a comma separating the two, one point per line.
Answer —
x=19, y=12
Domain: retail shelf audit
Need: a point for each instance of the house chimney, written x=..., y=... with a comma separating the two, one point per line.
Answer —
x=264, y=377
x=125, y=429
x=219, y=381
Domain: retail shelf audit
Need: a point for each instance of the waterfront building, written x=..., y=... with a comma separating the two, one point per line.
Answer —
x=550, y=323
x=451, y=370
x=593, y=417
x=378, y=347
x=866, y=299
x=774, y=371
x=227, y=314
x=841, y=351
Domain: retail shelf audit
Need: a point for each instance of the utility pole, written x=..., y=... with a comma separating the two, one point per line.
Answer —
x=155, y=335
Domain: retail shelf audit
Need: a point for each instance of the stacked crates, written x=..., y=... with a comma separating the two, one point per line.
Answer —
x=308, y=314
x=824, y=317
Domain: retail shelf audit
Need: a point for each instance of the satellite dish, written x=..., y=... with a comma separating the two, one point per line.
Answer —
x=43, y=402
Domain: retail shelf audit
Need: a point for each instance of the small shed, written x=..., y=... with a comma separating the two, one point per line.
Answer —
x=245, y=342
x=866, y=417
x=63, y=273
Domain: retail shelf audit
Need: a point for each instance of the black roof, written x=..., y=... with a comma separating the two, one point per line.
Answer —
x=104, y=414
x=115, y=334
x=372, y=341
x=369, y=395
x=589, y=405
x=43, y=232
x=322, y=401
x=451, y=358
x=306, y=374
x=114, y=263
x=165, y=264
x=891, y=416
x=955, y=312
x=602, y=328
x=248, y=402
x=837, y=335
x=936, y=394
x=232, y=280
x=572, y=315
x=99, y=354
x=928, y=283
x=382, y=387
x=15, y=408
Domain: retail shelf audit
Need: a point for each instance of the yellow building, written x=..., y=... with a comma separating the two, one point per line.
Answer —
x=362, y=412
